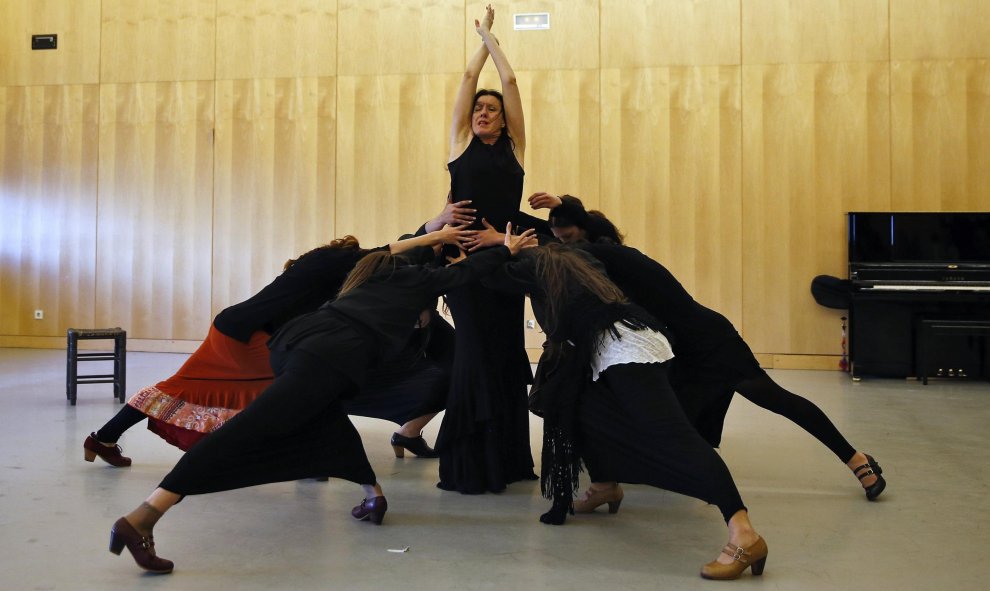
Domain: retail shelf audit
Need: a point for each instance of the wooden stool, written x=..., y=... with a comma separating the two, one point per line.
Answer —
x=118, y=356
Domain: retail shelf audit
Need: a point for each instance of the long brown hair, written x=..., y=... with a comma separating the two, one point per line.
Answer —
x=369, y=265
x=347, y=242
x=564, y=274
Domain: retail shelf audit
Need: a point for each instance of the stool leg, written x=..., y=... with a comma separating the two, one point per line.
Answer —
x=120, y=367
x=70, y=372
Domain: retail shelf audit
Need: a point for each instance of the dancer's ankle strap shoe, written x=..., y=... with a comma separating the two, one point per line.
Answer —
x=596, y=498
x=111, y=455
x=142, y=548
x=754, y=556
x=417, y=445
x=372, y=510
x=871, y=468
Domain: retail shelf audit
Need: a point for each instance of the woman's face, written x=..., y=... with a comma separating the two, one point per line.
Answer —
x=568, y=234
x=487, y=119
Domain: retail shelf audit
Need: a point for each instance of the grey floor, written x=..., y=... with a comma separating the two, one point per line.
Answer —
x=928, y=531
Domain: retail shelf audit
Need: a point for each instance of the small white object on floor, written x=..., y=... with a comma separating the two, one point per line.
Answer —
x=400, y=550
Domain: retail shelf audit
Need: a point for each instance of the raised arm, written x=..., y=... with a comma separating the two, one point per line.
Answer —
x=511, y=98
x=460, y=125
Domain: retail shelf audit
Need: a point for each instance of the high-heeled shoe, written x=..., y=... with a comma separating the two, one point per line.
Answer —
x=417, y=445
x=111, y=455
x=372, y=510
x=871, y=468
x=142, y=548
x=755, y=557
x=596, y=498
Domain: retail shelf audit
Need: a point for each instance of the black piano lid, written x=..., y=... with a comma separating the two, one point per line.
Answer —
x=919, y=238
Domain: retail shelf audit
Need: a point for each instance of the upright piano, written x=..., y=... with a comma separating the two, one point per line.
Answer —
x=920, y=304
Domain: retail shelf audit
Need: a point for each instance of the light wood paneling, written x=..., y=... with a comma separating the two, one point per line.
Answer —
x=48, y=205
x=562, y=113
x=941, y=135
x=796, y=31
x=932, y=29
x=76, y=61
x=392, y=146
x=571, y=43
x=671, y=173
x=158, y=40
x=394, y=37
x=653, y=33
x=274, y=179
x=156, y=181
x=276, y=38
x=815, y=145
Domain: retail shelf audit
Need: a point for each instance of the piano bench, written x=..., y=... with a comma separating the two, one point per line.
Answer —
x=929, y=328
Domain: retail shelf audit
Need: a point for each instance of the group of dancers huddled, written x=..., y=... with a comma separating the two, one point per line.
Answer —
x=633, y=384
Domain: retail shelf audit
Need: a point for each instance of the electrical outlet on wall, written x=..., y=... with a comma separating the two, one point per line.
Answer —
x=39, y=314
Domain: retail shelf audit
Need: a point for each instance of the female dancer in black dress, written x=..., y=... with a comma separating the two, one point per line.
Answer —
x=231, y=367
x=614, y=406
x=296, y=428
x=484, y=439
x=713, y=362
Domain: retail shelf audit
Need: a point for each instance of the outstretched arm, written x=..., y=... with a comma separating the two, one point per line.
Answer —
x=460, y=125
x=445, y=235
x=511, y=98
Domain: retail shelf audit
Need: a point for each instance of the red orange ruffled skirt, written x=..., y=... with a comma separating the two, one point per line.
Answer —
x=220, y=379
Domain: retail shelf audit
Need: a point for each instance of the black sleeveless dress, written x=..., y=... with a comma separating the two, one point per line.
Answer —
x=484, y=439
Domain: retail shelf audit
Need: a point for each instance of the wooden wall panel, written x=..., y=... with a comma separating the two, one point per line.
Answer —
x=670, y=173
x=941, y=135
x=653, y=33
x=815, y=145
x=796, y=31
x=154, y=230
x=394, y=37
x=572, y=42
x=75, y=61
x=392, y=146
x=934, y=29
x=276, y=38
x=275, y=167
x=158, y=40
x=562, y=111
x=48, y=160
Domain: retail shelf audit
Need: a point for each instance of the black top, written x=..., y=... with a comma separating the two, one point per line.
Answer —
x=491, y=177
x=383, y=311
x=303, y=287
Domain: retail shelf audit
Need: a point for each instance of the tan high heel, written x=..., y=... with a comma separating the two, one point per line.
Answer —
x=596, y=498
x=754, y=556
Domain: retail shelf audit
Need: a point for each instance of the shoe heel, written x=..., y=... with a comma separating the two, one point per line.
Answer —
x=116, y=544
x=376, y=518
x=758, y=566
x=400, y=452
x=613, y=506
x=89, y=455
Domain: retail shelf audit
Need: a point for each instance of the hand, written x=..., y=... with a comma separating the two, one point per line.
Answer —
x=516, y=243
x=486, y=23
x=543, y=200
x=483, y=238
x=461, y=255
x=451, y=235
x=456, y=214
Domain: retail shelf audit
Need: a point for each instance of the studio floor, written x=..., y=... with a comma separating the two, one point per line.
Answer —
x=927, y=531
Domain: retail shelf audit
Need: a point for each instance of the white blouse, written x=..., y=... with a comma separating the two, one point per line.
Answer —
x=635, y=346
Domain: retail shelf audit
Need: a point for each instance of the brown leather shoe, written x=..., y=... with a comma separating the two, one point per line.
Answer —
x=372, y=510
x=111, y=455
x=592, y=499
x=142, y=548
x=754, y=556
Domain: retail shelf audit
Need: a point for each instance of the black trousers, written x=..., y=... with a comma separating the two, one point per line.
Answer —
x=295, y=429
x=633, y=430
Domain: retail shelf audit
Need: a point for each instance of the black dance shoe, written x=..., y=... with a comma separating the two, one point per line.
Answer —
x=372, y=510
x=111, y=455
x=142, y=548
x=417, y=445
x=871, y=468
x=557, y=514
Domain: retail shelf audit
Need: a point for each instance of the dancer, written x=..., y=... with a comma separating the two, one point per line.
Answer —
x=484, y=438
x=619, y=412
x=713, y=361
x=231, y=367
x=296, y=427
